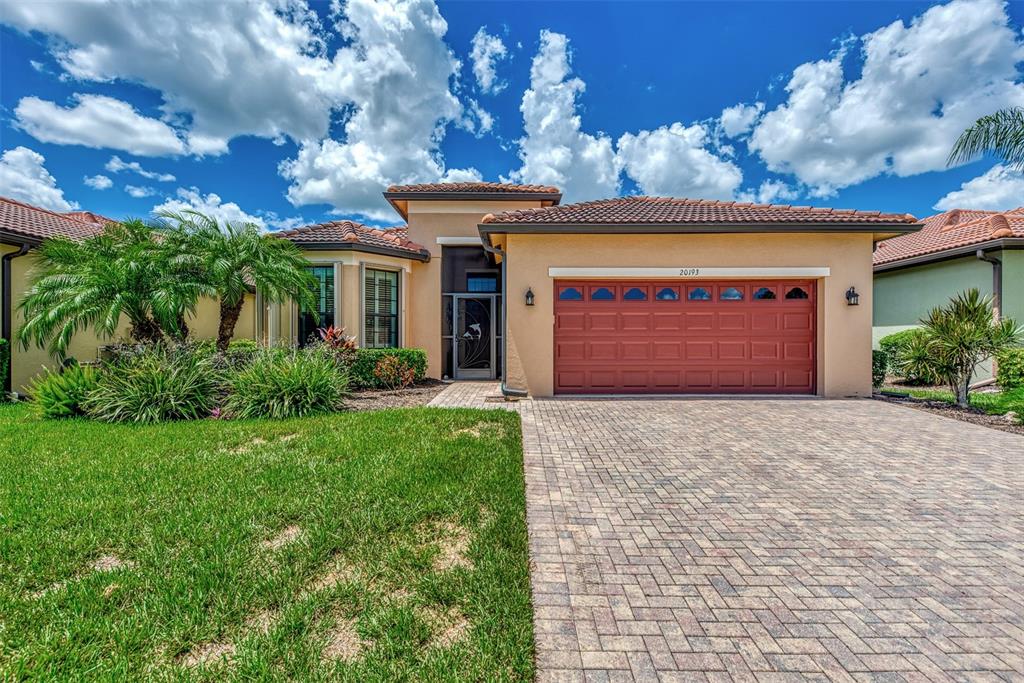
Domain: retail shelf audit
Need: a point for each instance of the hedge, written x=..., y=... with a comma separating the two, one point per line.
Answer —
x=361, y=373
x=1010, y=368
x=879, y=365
x=5, y=363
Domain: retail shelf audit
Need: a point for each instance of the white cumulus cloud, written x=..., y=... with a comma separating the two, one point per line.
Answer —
x=998, y=189
x=227, y=68
x=920, y=85
x=672, y=161
x=23, y=177
x=97, y=121
x=554, y=149
x=117, y=164
x=487, y=50
x=211, y=204
x=98, y=182
x=139, y=191
x=395, y=75
x=739, y=119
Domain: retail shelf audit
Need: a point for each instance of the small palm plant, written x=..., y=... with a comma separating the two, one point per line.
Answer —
x=97, y=281
x=1001, y=133
x=225, y=260
x=959, y=336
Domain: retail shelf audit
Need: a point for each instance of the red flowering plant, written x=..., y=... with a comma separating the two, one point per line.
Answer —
x=340, y=345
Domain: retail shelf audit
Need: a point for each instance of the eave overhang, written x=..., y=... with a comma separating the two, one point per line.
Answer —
x=400, y=200
x=949, y=254
x=422, y=255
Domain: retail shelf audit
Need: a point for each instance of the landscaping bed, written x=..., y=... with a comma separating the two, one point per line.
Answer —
x=385, y=545
x=988, y=408
x=420, y=394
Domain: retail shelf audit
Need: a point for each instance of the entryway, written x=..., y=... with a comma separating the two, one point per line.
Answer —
x=474, y=342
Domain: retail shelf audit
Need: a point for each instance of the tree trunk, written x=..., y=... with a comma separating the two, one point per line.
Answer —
x=146, y=331
x=962, y=390
x=180, y=331
x=228, y=318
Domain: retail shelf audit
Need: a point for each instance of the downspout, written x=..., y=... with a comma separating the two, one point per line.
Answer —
x=5, y=311
x=997, y=303
x=506, y=391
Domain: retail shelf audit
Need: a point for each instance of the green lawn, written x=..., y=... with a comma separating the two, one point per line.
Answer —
x=994, y=403
x=366, y=547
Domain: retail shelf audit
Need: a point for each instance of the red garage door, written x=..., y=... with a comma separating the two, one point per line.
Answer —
x=715, y=337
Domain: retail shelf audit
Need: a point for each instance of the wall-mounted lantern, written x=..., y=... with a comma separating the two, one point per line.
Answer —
x=852, y=297
x=529, y=296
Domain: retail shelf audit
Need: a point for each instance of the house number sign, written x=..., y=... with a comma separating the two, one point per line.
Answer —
x=689, y=272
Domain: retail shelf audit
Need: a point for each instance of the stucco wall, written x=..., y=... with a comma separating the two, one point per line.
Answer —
x=844, y=332
x=428, y=221
x=27, y=363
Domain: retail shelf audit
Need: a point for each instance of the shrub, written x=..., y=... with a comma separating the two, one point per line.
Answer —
x=5, y=363
x=63, y=394
x=904, y=357
x=155, y=383
x=341, y=346
x=1010, y=368
x=363, y=372
x=394, y=373
x=879, y=364
x=282, y=382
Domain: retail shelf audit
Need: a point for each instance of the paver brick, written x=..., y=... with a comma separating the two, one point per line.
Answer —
x=773, y=540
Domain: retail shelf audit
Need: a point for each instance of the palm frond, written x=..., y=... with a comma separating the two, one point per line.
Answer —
x=1000, y=133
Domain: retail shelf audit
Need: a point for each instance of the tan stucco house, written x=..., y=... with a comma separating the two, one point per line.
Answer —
x=619, y=296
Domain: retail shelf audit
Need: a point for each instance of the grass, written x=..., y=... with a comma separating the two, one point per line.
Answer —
x=393, y=540
x=993, y=403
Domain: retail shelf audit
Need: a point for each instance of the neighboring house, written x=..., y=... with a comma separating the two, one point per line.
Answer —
x=956, y=250
x=22, y=228
x=625, y=295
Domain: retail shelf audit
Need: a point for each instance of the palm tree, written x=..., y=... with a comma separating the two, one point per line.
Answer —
x=93, y=283
x=226, y=260
x=1001, y=133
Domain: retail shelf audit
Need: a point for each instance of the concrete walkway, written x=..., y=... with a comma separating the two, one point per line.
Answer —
x=770, y=540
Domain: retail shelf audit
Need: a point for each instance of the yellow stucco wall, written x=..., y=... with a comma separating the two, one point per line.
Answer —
x=27, y=363
x=844, y=332
x=429, y=220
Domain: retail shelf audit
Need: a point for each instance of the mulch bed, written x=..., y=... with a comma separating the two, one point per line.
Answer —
x=972, y=415
x=376, y=399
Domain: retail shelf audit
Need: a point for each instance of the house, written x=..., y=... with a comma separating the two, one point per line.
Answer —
x=628, y=295
x=22, y=228
x=954, y=251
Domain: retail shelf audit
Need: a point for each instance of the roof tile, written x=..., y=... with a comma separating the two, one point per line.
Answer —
x=35, y=223
x=640, y=210
x=333, y=232
x=951, y=230
x=482, y=187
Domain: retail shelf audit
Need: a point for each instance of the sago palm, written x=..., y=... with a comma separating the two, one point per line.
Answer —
x=100, y=280
x=226, y=259
x=1000, y=133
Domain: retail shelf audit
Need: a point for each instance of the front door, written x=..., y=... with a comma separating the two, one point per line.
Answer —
x=474, y=337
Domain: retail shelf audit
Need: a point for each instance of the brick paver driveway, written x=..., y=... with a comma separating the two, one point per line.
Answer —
x=756, y=539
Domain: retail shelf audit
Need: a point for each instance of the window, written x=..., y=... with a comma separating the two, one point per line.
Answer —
x=380, y=312
x=796, y=293
x=570, y=294
x=602, y=294
x=323, y=290
x=730, y=294
x=481, y=282
x=698, y=294
x=764, y=293
x=667, y=294
x=635, y=294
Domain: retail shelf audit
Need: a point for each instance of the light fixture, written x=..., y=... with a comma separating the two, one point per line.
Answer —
x=852, y=297
x=529, y=296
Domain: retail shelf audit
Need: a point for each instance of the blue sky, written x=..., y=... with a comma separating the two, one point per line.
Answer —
x=292, y=113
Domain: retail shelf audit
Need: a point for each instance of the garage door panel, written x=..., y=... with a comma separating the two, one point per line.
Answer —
x=697, y=337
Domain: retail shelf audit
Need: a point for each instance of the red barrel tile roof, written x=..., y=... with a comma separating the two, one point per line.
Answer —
x=351, y=233
x=471, y=187
x=36, y=224
x=671, y=210
x=951, y=230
